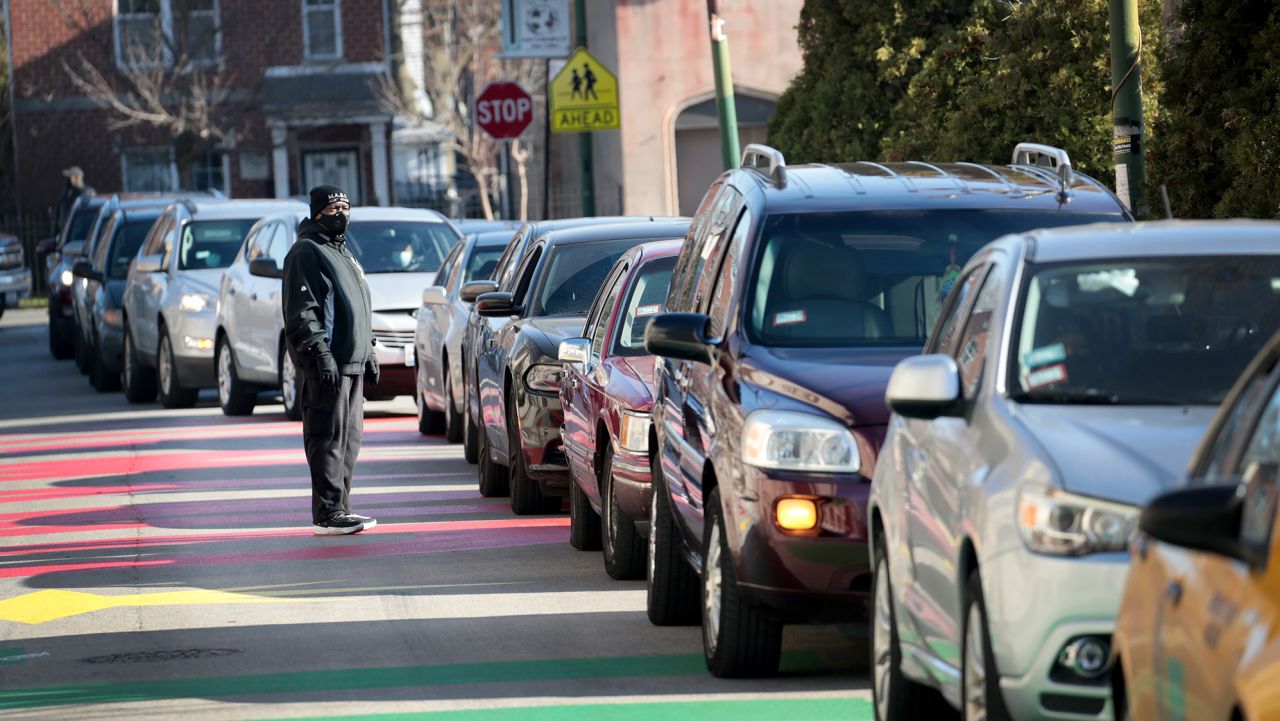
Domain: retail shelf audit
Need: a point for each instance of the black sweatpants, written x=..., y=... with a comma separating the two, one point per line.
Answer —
x=332, y=427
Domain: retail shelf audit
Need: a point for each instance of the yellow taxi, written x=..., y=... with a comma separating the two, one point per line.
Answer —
x=1198, y=634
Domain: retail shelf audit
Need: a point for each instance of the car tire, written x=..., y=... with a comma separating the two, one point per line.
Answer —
x=59, y=347
x=290, y=388
x=671, y=587
x=452, y=418
x=623, y=547
x=236, y=397
x=584, y=522
x=981, y=696
x=430, y=423
x=739, y=639
x=80, y=350
x=470, y=432
x=172, y=394
x=100, y=378
x=527, y=498
x=139, y=382
x=493, y=476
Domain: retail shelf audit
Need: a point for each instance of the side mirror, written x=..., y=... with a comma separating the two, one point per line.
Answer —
x=433, y=295
x=679, y=335
x=496, y=305
x=265, y=268
x=82, y=269
x=148, y=263
x=1204, y=518
x=575, y=350
x=925, y=387
x=475, y=289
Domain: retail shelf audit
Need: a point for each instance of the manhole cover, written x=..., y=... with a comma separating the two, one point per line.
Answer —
x=181, y=654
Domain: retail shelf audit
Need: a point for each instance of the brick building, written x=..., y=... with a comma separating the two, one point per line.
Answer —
x=300, y=82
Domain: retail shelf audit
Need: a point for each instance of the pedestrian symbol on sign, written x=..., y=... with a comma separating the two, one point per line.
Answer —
x=584, y=96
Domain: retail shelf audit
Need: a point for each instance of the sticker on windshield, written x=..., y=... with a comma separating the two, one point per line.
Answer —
x=789, y=317
x=648, y=310
x=1044, y=355
x=1046, y=376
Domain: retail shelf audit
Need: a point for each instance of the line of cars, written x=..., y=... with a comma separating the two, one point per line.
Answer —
x=164, y=295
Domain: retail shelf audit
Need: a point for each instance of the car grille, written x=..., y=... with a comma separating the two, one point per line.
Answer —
x=394, y=337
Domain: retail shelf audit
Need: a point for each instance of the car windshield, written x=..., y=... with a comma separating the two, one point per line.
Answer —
x=871, y=278
x=125, y=245
x=1187, y=327
x=482, y=263
x=647, y=299
x=400, y=246
x=573, y=275
x=212, y=243
x=80, y=224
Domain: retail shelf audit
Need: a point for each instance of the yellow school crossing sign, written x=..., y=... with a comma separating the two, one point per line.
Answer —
x=584, y=96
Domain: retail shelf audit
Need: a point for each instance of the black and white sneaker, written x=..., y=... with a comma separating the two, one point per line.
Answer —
x=367, y=521
x=338, y=524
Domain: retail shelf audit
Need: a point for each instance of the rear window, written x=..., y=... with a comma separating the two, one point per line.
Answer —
x=212, y=243
x=871, y=278
x=573, y=275
x=125, y=245
x=647, y=299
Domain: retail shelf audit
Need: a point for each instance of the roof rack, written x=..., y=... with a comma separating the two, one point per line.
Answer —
x=766, y=160
x=1047, y=156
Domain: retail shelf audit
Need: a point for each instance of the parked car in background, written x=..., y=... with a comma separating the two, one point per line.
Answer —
x=442, y=318
x=66, y=251
x=15, y=276
x=607, y=395
x=797, y=290
x=474, y=226
x=518, y=367
x=399, y=249
x=171, y=296
x=1196, y=633
x=1071, y=373
x=104, y=273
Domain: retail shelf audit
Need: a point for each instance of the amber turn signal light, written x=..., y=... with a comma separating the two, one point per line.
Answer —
x=796, y=514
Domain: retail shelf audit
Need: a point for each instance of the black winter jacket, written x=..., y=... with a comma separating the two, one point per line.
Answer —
x=326, y=303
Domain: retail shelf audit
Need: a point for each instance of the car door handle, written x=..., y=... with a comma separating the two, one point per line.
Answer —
x=1173, y=592
x=253, y=296
x=231, y=291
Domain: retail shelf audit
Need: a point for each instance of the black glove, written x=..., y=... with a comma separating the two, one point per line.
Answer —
x=372, y=373
x=328, y=370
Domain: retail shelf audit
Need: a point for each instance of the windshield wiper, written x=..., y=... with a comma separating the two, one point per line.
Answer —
x=1093, y=397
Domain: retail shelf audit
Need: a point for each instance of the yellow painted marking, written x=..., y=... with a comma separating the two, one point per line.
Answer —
x=51, y=605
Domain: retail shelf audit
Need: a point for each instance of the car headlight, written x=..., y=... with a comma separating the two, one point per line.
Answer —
x=195, y=302
x=67, y=278
x=543, y=378
x=113, y=317
x=633, y=432
x=790, y=440
x=1054, y=521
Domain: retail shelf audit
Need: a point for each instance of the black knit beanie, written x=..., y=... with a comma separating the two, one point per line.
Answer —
x=322, y=196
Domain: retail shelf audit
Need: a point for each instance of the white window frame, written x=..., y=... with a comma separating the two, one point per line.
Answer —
x=166, y=23
x=337, y=32
x=124, y=165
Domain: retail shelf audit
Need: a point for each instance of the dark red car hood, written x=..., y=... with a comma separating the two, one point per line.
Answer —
x=848, y=383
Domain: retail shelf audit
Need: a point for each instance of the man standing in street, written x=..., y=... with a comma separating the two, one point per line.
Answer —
x=328, y=325
x=74, y=188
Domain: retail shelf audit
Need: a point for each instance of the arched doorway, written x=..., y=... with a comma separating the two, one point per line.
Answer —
x=697, y=143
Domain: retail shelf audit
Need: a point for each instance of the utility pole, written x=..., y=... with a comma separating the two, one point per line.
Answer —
x=584, y=139
x=726, y=111
x=1126, y=105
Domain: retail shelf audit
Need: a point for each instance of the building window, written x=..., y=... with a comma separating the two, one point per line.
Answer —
x=322, y=29
x=155, y=32
x=208, y=173
x=149, y=170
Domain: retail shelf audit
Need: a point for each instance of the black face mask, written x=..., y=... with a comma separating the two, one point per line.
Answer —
x=335, y=224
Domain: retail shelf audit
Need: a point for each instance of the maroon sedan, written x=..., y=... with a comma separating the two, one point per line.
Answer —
x=606, y=394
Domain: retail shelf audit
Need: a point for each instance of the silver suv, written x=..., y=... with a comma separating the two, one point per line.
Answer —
x=171, y=296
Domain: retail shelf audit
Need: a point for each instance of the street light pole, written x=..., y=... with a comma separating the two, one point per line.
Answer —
x=584, y=139
x=1126, y=105
x=726, y=111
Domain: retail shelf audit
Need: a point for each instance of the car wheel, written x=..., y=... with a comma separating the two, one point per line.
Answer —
x=81, y=350
x=739, y=640
x=896, y=697
x=139, y=382
x=624, y=549
x=235, y=396
x=526, y=497
x=470, y=432
x=172, y=394
x=493, y=477
x=100, y=378
x=584, y=522
x=452, y=418
x=671, y=587
x=979, y=678
x=59, y=346
x=289, y=386
x=430, y=423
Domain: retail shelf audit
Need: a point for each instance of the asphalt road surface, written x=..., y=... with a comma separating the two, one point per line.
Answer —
x=159, y=565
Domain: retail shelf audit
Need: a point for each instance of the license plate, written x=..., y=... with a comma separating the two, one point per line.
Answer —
x=410, y=358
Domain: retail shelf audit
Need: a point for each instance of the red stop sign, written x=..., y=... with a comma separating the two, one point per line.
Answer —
x=504, y=110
